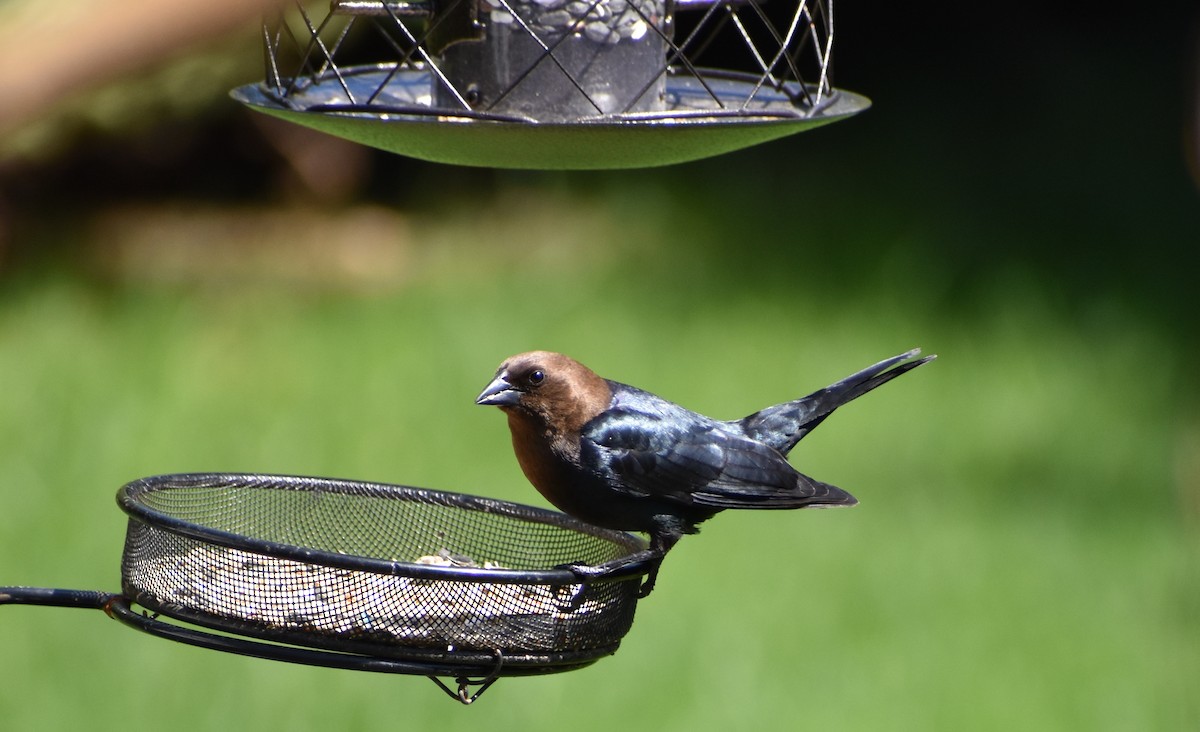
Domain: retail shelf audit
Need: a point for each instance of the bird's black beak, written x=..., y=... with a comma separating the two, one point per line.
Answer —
x=499, y=393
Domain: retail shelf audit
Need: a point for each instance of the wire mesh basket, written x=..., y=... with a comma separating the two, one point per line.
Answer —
x=367, y=575
x=338, y=561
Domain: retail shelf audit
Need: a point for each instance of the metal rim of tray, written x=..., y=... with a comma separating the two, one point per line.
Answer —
x=744, y=113
x=127, y=499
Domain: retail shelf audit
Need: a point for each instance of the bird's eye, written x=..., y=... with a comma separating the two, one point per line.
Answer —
x=536, y=377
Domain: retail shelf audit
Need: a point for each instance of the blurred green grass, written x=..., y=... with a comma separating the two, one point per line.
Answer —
x=1024, y=555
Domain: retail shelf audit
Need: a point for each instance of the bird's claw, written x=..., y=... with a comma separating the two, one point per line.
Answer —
x=584, y=572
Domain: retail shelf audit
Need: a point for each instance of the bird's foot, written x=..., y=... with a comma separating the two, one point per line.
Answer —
x=624, y=569
x=651, y=579
x=585, y=572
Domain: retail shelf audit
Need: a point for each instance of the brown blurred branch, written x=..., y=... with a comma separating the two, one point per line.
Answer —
x=52, y=51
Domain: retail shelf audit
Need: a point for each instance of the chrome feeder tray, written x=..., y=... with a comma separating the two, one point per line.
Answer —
x=367, y=576
x=554, y=84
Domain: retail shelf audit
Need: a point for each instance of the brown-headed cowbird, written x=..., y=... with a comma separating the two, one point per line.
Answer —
x=618, y=457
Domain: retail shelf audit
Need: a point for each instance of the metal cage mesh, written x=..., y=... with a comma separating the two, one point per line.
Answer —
x=553, y=60
x=399, y=571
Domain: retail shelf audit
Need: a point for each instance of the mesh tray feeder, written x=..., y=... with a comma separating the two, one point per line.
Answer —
x=367, y=576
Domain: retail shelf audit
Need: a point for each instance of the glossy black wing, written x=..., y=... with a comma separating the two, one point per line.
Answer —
x=648, y=446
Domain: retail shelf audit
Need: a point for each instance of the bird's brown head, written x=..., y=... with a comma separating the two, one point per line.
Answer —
x=551, y=388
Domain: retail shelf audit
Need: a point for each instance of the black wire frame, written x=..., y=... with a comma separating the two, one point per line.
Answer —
x=479, y=670
x=351, y=656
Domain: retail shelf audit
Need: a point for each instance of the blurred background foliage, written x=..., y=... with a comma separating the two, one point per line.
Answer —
x=187, y=286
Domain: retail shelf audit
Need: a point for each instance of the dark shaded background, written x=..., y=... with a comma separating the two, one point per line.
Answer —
x=1056, y=141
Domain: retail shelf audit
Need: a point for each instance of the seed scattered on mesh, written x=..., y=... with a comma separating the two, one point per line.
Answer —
x=445, y=558
x=290, y=595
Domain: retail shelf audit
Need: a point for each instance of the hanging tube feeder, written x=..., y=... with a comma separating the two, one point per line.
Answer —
x=554, y=84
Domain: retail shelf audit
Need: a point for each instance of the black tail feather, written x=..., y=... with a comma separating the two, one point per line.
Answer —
x=783, y=425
